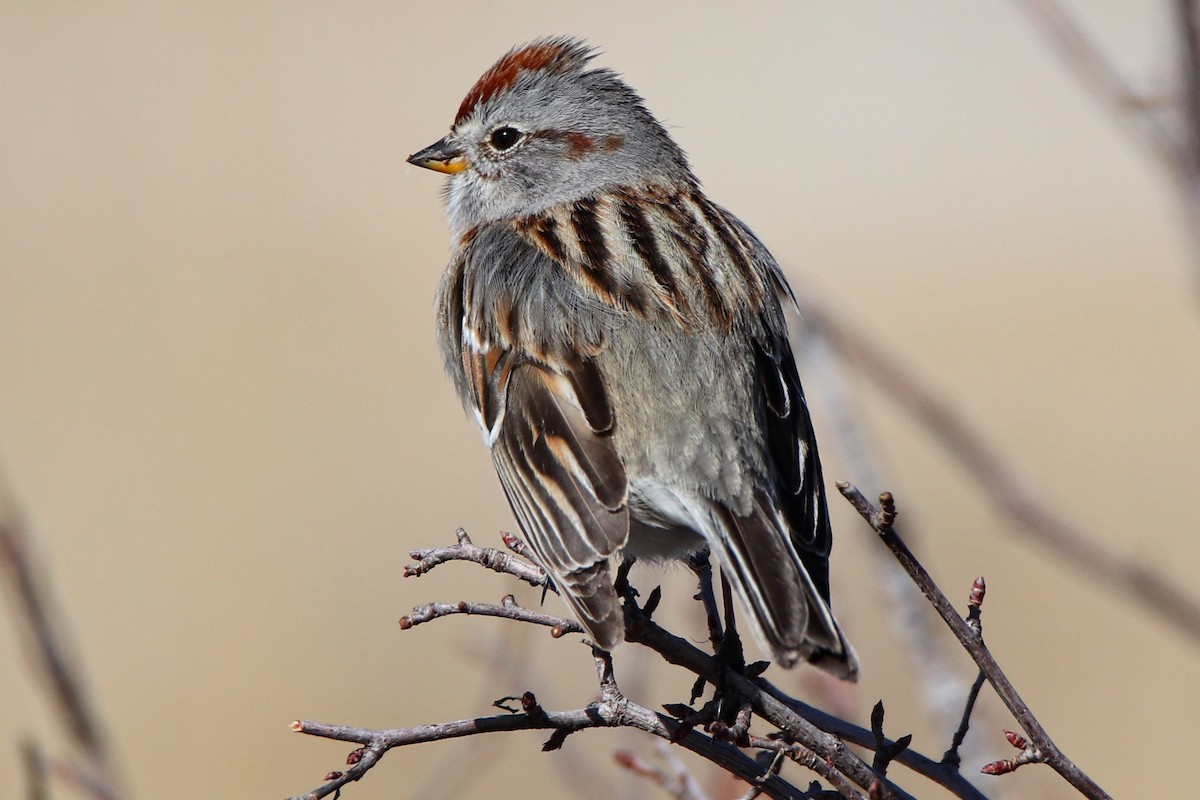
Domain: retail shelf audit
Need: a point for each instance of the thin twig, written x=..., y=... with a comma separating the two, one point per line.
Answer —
x=489, y=557
x=810, y=760
x=508, y=609
x=682, y=653
x=880, y=519
x=952, y=757
x=936, y=771
x=975, y=623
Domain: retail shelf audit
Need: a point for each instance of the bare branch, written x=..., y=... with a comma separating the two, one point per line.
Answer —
x=880, y=519
x=508, y=609
x=489, y=557
x=811, y=728
x=944, y=774
x=779, y=714
x=612, y=710
x=807, y=758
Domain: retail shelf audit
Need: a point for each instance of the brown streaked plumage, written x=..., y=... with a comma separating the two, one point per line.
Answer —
x=621, y=341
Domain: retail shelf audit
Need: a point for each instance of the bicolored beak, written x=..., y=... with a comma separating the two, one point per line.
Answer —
x=441, y=156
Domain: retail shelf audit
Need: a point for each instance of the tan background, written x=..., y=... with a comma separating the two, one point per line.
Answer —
x=221, y=405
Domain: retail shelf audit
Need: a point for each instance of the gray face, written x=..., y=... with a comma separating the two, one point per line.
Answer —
x=555, y=138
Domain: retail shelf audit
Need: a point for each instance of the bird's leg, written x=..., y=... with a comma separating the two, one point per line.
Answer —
x=730, y=649
x=699, y=564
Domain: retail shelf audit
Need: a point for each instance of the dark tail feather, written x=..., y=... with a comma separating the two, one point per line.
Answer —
x=789, y=614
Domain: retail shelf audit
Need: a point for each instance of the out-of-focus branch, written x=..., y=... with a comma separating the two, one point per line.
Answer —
x=1009, y=492
x=1099, y=75
x=47, y=647
x=34, y=762
x=673, y=777
x=1170, y=127
x=1041, y=748
x=1188, y=14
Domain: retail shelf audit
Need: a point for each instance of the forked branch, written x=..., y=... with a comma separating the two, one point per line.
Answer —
x=1041, y=747
x=799, y=732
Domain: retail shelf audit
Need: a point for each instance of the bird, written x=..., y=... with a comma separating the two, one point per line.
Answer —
x=621, y=341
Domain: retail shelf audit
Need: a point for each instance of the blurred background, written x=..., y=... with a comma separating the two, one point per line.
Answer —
x=223, y=414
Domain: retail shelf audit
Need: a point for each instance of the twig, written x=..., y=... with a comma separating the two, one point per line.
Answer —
x=885, y=751
x=880, y=519
x=938, y=772
x=1012, y=495
x=508, y=609
x=975, y=623
x=952, y=758
x=807, y=758
x=489, y=557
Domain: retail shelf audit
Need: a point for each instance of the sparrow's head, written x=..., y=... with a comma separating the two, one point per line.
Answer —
x=539, y=128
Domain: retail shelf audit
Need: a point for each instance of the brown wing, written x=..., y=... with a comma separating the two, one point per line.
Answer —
x=545, y=412
x=554, y=453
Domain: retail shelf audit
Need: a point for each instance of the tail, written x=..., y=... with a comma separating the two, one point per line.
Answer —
x=790, y=614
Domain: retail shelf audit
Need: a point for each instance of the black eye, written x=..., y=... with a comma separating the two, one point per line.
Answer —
x=504, y=138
